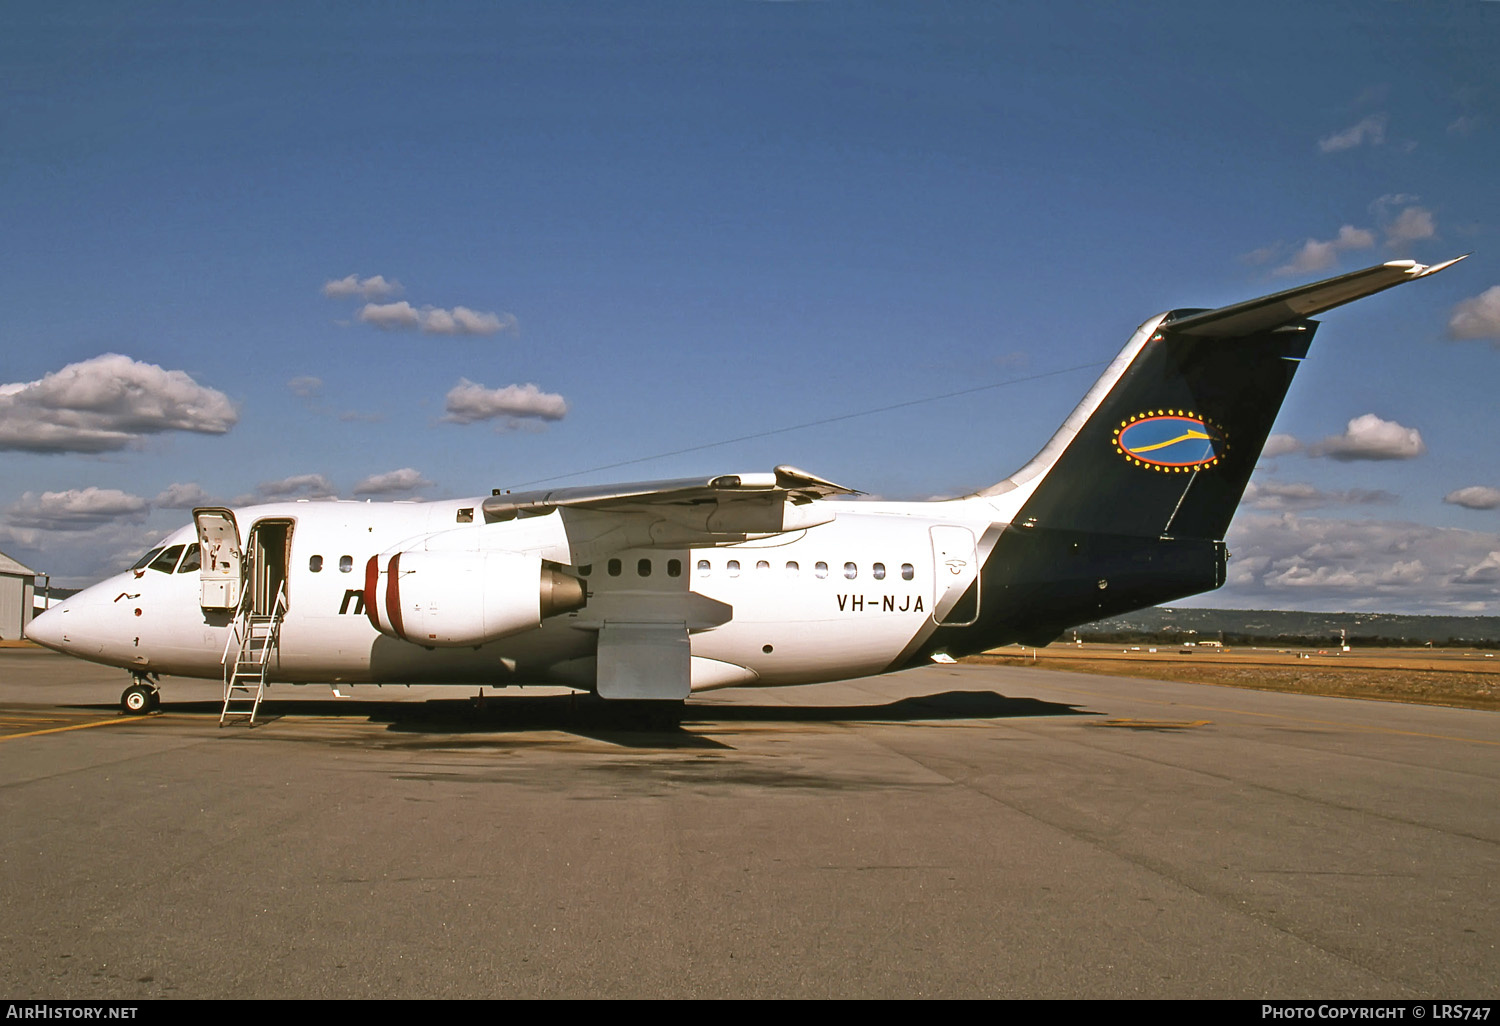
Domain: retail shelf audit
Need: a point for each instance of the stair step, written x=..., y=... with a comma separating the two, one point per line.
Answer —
x=245, y=678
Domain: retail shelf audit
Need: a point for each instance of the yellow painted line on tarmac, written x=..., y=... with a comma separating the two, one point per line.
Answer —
x=76, y=726
x=1285, y=716
x=1155, y=724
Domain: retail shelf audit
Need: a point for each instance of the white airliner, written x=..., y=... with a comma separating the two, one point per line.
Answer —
x=647, y=592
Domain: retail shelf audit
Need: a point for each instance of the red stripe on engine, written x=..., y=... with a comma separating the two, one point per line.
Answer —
x=372, y=590
x=393, y=595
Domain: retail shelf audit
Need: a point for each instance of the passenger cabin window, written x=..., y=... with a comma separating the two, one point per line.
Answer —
x=674, y=568
x=851, y=571
x=907, y=571
x=703, y=568
x=733, y=566
x=791, y=568
x=315, y=564
x=190, y=560
x=167, y=561
x=643, y=567
x=614, y=567
x=346, y=563
x=762, y=565
x=820, y=569
x=878, y=570
x=585, y=570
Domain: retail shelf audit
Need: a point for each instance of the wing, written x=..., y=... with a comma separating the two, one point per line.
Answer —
x=716, y=510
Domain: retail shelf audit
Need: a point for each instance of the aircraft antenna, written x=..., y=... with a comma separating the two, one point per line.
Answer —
x=813, y=423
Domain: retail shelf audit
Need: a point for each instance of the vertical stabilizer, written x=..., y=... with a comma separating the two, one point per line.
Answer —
x=1165, y=442
x=1127, y=505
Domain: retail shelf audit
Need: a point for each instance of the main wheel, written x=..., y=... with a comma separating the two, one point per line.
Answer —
x=138, y=699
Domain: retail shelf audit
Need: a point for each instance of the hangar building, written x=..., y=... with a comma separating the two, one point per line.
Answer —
x=17, y=585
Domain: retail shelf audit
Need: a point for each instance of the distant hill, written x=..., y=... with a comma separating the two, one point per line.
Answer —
x=1171, y=624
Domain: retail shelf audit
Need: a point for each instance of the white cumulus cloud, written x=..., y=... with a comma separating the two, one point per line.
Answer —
x=76, y=556
x=1484, y=572
x=1279, y=495
x=182, y=496
x=1477, y=317
x=463, y=321
x=1368, y=437
x=1370, y=130
x=77, y=509
x=1318, y=255
x=1411, y=225
x=375, y=287
x=1280, y=445
x=1474, y=497
x=468, y=402
x=107, y=403
x=394, y=482
x=435, y=320
x=390, y=315
x=1289, y=561
x=299, y=486
x=1294, y=495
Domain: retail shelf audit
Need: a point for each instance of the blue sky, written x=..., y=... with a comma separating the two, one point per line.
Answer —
x=683, y=223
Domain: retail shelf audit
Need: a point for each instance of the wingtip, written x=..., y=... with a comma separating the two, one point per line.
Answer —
x=1422, y=272
x=792, y=477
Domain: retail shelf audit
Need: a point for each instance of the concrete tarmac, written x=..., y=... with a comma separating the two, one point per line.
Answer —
x=955, y=831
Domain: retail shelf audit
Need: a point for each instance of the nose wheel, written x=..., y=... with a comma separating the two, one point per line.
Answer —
x=140, y=698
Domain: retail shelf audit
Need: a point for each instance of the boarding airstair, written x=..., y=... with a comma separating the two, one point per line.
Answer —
x=248, y=653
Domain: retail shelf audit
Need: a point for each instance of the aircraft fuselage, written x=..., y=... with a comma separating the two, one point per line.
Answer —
x=841, y=599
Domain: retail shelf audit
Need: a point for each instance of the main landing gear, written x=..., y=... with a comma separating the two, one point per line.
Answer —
x=648, y=714
x=141, y=697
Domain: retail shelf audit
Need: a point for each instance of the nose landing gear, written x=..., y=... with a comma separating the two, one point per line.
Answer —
x=143, y=696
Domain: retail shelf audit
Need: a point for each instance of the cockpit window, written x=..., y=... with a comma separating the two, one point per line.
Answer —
x=190, y=560
x=167, y=561
x=145, y=560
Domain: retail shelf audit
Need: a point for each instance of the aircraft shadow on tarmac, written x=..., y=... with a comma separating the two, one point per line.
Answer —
x=590, y=716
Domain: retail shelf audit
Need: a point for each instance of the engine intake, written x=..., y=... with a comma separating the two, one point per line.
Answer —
x=456, y=599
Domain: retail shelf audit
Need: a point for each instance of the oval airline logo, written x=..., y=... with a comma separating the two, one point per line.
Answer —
x=1171, y=440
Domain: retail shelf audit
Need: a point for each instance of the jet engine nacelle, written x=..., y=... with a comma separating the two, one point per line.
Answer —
x=464, y=598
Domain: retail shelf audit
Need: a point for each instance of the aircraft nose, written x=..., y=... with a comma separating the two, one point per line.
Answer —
x=47, y=629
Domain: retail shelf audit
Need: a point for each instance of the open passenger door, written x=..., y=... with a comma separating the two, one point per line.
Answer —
x=222, y=563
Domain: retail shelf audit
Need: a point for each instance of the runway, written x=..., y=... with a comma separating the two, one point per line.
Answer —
x=956, y=831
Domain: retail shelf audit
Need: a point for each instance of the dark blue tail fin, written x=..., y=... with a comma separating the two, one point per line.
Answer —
x=1128, y=504
x=1165, y=442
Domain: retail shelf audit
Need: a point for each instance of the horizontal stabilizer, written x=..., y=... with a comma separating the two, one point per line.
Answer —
x=1272, y=311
